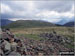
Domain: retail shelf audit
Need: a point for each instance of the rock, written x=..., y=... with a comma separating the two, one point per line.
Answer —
x=6, y=45
x=14, y=54
x=1, y=51
x=13, y=46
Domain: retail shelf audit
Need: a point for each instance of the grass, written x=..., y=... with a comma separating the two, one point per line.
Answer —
x=31, y=36
x=33, y=33
x=65, y=31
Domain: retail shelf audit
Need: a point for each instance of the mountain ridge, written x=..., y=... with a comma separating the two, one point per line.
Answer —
x=31, y=23
x=28, y=23
x=70, y=24
x=5, y=22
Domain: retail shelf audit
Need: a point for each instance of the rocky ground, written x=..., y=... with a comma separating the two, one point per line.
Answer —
x=52, y=44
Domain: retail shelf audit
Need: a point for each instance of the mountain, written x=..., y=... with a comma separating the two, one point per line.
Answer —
x=29, y=23
x=65, y=20
x=70, y=24
x=5, y=22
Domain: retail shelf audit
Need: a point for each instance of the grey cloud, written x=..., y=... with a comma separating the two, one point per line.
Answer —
x=59, y=6
x=13, y=5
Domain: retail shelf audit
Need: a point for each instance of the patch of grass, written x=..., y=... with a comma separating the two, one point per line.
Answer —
x=32, y=33
x=71, y=36
x=31, y=36
x=70, y=46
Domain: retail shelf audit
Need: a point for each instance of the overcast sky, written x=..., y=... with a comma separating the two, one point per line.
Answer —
x=52, y=11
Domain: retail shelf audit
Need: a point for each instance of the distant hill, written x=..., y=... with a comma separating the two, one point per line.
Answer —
x=29, y=23
x=5, y=22
x=65, y=20
x=70, y=24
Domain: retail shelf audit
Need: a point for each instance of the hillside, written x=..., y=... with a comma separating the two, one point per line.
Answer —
x=5, y=22
x=65, y=20
x=69, y=24
x=28, y=23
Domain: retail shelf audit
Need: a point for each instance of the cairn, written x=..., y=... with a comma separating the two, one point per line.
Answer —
x=9, y=44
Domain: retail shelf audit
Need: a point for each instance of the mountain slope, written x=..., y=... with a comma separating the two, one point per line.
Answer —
x=65, y=20
x=71, y=24
x=29, y=23
x=5, y=22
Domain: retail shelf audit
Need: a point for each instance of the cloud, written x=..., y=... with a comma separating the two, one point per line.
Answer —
x=54, y=16
x=51, y=11
x=60, y=6
x=5, y=9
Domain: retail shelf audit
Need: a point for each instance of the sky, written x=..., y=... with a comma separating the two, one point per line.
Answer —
x=52, y=11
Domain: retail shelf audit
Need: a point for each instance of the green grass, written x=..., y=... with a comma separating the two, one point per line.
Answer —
x=34, y=32
x=69, y=46
x=30, y=36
